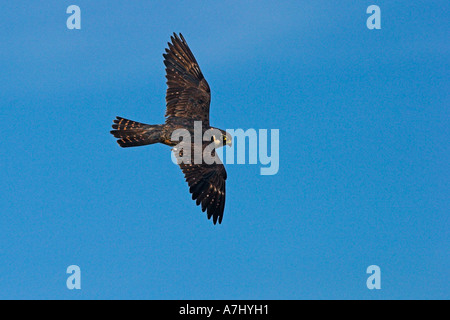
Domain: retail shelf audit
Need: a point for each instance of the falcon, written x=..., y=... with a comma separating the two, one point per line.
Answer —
x=187, y=103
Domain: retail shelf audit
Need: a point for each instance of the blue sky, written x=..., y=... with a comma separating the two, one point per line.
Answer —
x=364, y=129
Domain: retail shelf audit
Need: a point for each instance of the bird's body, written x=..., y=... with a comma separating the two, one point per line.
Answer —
x=187, y=104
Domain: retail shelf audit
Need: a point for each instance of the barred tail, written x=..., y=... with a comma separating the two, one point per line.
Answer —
x=133, y=134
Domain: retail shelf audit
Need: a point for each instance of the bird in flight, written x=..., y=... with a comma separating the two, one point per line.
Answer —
x=187, y=103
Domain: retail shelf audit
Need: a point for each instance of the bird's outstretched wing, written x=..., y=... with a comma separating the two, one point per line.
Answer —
x=207, y=185
x=188, y=95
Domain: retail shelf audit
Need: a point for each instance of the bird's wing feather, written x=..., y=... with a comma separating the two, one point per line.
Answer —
x=207, y=185
x=188, y=95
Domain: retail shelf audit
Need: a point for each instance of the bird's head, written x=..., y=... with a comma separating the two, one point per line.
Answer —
x=222, y=138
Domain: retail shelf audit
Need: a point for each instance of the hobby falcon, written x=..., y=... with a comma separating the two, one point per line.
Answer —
x=187, y=102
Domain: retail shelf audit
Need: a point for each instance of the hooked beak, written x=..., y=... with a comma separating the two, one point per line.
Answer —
x=229, y=141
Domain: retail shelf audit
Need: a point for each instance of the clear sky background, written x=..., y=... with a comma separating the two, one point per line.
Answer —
x=364, y=147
